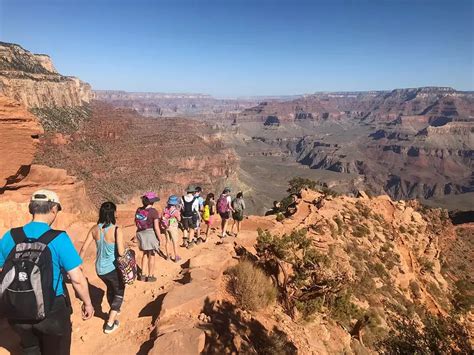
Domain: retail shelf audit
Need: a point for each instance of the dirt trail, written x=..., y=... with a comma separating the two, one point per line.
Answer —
x=140, y=309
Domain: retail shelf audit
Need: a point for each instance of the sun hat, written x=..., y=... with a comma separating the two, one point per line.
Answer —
x=151, y=196
x=173, y=200
x=191, y=188
x=46, y=196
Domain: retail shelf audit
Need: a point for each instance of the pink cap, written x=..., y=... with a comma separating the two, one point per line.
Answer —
x=151, y=196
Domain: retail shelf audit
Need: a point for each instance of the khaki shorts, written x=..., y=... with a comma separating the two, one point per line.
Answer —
x=173, y=234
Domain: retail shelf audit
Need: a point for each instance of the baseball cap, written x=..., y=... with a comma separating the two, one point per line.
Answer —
x=46, y=196
x=151, y=196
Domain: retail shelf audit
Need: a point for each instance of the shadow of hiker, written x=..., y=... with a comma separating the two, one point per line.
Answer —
x=233, y=331
x=97, y=294
x=152, y=309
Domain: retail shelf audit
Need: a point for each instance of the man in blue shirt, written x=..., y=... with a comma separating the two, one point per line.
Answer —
x=53, y=334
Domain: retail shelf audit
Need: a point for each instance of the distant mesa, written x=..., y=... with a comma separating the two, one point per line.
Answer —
x=32, y=80
x=272, y=121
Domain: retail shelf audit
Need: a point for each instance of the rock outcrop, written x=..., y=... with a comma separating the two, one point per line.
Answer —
x=19, y=137
x=32, y=80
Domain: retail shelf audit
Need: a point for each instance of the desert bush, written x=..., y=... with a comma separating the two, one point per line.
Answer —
x=463, y=298
x=360, y=231
x=433, y=335
x=363, y=209
x=298, y=183
x=426, y=265
x=252, y=288
x=280, y=217
x=415, y=289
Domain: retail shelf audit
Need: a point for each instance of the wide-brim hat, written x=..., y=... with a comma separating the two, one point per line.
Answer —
x=191, y=188
x=173, y=200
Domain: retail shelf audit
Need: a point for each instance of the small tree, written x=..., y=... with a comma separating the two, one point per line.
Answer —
x=310, y=279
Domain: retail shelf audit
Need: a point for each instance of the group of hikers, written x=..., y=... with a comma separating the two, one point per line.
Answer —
x=36, y=261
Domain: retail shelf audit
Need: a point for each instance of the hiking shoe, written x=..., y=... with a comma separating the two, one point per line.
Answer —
x=111, y=328
x=141, y=278
x=198, y=241
x=150, y=279
x=190, y=245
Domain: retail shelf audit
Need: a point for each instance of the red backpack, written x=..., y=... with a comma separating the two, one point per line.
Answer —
x=141, y=218
x=222, y=204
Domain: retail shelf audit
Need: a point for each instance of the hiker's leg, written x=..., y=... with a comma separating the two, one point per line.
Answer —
x=223, y=220
x=151, y=263
x=239, y=224
x=191, y=235
x=29, y=341
x=55, y=330
x=118, y=291
x=166, y=236
x=144, y=263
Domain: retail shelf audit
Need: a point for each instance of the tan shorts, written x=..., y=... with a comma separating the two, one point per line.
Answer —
x=173, y=233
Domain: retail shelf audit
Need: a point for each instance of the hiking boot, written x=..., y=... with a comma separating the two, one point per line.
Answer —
x=150, y=279
x=190, y=245
x=141, y=278
x=198, y=241
x=111, y=328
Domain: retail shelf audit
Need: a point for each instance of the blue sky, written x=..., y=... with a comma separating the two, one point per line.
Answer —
x=236, y=48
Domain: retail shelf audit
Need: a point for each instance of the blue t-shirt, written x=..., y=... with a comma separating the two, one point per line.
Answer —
x=63, y=253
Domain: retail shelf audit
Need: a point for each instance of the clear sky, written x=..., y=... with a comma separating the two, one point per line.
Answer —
x=259, y=47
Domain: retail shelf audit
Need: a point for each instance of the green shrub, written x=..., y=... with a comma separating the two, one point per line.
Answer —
x=438, y=335
x=252, y=288
x=360, y=231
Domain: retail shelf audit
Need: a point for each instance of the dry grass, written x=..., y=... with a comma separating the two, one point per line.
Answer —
x=252, y=288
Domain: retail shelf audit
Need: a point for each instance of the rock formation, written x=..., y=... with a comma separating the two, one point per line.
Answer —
x=32, y=80
x=19, y=136
x=409, y=143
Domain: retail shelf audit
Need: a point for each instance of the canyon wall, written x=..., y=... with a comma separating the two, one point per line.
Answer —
x=32, y=80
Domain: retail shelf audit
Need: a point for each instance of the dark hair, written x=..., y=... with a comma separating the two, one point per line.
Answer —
x=146, y=201
x=41, y=207
x=209, y=197
x=240, y=194
x=198, y=189
x=107, y=214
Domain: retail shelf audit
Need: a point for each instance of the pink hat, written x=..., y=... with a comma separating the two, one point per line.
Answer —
x=151, y=196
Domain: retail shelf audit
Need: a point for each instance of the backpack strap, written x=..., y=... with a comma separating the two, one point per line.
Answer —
x=49, y=236
x=18, y=235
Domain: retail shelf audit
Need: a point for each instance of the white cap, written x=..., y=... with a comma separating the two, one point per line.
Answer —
x=46, y=196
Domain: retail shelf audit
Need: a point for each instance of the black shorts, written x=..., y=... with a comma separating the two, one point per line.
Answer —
x=189, y=222
x=225, y=215
x=238, y=216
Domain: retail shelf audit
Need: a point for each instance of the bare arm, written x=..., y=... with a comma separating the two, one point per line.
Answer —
x=87, y=242
x=119, y=241
x=81, y=286
x=156, y=226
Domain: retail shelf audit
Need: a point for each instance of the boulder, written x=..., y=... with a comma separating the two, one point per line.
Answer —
x=185, y=341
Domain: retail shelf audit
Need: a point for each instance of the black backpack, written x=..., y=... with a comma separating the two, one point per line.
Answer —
x=188, y=208
x=26, y=281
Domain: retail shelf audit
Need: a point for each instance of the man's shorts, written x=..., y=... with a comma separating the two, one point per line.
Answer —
x=189, y=223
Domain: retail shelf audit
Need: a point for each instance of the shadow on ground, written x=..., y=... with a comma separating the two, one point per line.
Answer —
x=230, y=331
